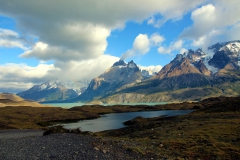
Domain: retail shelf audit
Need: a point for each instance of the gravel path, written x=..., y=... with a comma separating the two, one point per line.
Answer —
x=20, y=133
x=30, y=144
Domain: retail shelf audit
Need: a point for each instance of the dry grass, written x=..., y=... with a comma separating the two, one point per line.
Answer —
x=40, y=117
x=37, y=117
x=209, y=133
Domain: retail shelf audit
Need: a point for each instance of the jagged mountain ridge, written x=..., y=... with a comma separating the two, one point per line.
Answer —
x=120, y=75
x=189, y=76
x=54, y=90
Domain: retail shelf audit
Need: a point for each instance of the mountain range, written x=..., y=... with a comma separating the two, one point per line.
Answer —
x=191, y=76
x=55, y=90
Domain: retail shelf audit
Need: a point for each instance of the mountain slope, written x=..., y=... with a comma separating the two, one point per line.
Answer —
x=120, y=75
x=193, y=75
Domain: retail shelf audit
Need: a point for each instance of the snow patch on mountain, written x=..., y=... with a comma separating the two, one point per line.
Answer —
x=196, y=56
x=209, y=67
x=121, y=66
x=49, y=85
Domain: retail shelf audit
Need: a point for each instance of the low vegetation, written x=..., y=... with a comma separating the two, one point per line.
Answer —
x=61, y=129
x=212, y=132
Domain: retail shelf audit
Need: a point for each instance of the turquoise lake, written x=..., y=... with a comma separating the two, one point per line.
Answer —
x=70, y=105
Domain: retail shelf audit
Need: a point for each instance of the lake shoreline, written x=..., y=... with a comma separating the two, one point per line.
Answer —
x=116, y=120
x=40, y=118
x=115, y=109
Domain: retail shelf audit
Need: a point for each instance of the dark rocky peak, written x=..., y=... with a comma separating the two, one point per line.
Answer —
x=220, y=59
x=200, y=52
x=119, y=63
x=131, y=64
x=178, y=58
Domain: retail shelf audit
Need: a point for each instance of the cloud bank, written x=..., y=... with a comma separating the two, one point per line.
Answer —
x=18, y=77
x=214, y=22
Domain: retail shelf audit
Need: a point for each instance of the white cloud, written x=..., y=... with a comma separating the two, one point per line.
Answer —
x=19, y=77
x=76, y=42
x=163, y=50
x=6, y=33
x=129, y=53
x=172, y=10
x=156, y=39
x=199, y=42
x=183, y=50
x=142, y=45
x=11, y=39
x=153, y=69
x=84, y=69
x=173, y=47
x=177, y=45
x=233, y=33
x=212, y=23
x=204, y=19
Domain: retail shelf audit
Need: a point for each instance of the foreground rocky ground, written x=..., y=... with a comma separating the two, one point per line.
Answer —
x=30, y=144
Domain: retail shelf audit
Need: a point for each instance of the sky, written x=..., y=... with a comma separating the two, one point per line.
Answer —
x=78, y=40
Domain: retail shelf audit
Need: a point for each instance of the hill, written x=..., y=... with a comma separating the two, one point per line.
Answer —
x=7, y=99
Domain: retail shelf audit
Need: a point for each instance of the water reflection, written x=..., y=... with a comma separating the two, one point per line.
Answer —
x=114, y=120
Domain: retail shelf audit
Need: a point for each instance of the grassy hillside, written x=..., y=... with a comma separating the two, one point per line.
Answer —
x=180, y=95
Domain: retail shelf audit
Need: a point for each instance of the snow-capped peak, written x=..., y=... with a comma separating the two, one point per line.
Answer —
x=77, y=86
x=196, y=56
x=233, y=47
x=49, y=85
